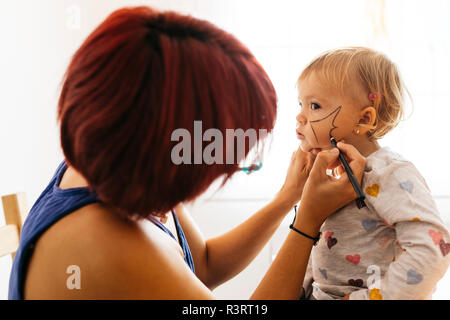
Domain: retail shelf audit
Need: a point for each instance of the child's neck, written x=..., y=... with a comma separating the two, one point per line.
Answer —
x=363, y=145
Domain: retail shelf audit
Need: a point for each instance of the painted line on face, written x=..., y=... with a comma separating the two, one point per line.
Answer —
x=335, y=112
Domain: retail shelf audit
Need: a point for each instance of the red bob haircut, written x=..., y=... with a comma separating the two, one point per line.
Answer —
x=139, y=76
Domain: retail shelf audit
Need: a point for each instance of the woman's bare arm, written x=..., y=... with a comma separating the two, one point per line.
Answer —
x=221, y=258
x=155, y=269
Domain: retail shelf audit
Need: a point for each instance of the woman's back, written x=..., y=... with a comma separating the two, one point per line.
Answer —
x=99, y=243
x=82, y=238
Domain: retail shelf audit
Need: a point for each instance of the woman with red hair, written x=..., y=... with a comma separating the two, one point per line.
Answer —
x=113, y=211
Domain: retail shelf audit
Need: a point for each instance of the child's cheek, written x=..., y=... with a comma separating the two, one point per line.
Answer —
x=320, y=135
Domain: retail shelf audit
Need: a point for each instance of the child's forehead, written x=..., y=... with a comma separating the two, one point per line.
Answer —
x=314, y=86
x=328, y=87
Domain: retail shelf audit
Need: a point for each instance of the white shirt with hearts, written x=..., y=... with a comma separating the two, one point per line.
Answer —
x=395, y=248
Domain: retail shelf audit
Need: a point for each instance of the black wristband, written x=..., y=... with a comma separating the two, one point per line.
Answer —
x=304, y=234
x=315, y=239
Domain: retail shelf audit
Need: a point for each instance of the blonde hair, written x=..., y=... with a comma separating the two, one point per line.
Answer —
x=374, y=72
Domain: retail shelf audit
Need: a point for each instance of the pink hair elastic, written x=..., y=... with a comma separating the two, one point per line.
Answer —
x=375, y=96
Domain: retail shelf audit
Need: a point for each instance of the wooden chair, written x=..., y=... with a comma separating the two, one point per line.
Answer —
x=15, y=208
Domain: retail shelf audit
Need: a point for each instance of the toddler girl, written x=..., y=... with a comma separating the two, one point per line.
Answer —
x=398, y=246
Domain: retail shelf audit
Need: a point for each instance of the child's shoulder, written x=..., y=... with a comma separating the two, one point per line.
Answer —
x=387, y=165
x=384, y=157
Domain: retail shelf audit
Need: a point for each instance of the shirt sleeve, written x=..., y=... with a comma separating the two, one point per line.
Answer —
x=403, y=200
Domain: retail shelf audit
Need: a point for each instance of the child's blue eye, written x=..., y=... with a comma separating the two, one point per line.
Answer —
x=315, y=106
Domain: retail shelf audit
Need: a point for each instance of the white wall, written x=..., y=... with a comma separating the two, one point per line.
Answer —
x=39, y=37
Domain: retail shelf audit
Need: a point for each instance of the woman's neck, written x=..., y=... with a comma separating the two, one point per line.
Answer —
x=72, y=179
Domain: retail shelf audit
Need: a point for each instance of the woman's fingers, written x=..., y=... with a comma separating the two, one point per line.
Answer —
x=303, y=159
x=323, y=195
x=335, y=164
x=310, y=161
x=355, y=160
x=340, y=170
x=325, y=159
x=296, y=159
x=297, y=174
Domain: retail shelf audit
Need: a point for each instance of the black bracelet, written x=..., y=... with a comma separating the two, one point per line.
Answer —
x=305, y=235
x=315, y=239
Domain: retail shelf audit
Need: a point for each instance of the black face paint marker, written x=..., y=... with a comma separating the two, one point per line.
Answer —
x=360, y=200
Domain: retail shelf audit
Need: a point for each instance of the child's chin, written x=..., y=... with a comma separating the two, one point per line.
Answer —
x=308, y=148
x=305, y=147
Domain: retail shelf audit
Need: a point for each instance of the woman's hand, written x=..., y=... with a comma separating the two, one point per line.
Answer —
x=323, y=194
x=297, y=174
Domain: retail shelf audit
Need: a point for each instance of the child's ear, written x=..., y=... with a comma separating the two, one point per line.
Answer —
x=367, y=119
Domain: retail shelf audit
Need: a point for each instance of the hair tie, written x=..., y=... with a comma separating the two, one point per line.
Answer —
x=375, y=96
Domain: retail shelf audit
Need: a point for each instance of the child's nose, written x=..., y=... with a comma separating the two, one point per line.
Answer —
x=301, y=119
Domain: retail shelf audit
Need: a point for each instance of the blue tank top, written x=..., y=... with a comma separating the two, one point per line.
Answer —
x=52, y=205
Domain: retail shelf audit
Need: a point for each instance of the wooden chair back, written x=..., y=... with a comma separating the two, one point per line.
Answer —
x=15, y=208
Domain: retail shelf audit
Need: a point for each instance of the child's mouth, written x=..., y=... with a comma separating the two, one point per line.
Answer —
x=300, y=136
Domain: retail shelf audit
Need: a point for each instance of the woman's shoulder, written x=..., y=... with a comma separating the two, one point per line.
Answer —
x=93, y=253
